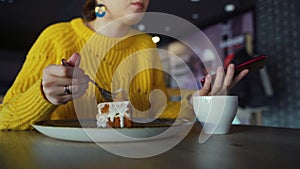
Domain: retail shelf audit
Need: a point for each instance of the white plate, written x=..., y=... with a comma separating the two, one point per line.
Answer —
x=72, y=130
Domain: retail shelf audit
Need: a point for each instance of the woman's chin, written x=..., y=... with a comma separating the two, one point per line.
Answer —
x=133, y=18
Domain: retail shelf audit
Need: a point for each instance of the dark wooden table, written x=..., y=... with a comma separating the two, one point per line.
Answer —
x=245, y=147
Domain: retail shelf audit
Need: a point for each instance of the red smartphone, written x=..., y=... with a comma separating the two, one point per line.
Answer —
x=253, y=64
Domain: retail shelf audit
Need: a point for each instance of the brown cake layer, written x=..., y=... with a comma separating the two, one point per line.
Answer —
x=105, y=114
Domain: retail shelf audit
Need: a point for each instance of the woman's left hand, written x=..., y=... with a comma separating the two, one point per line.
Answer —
x=221, y=85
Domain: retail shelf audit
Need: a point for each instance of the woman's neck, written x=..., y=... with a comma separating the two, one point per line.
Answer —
x=114, y=29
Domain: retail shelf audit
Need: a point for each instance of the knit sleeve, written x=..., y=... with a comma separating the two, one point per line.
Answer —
x=173, y=109
x=177, y=109
x=180, y=109
x=24, y=103
x=149, y=80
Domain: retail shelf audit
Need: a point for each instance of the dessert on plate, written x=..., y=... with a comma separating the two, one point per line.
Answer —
x=114, y=114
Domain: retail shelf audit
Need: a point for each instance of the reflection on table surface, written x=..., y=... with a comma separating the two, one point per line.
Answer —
x=244, y=147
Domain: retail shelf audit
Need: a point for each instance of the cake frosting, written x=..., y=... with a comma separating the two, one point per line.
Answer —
x=114, y=114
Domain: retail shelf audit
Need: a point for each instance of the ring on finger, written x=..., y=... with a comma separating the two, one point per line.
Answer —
x=67, y=90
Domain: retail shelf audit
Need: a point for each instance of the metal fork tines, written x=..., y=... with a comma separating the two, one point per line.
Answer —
x=107, y=95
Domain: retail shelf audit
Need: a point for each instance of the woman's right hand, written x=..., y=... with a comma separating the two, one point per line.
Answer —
x=57, y=79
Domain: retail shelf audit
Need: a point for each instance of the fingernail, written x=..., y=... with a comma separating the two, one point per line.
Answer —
x=208, y=77
x=220, y=69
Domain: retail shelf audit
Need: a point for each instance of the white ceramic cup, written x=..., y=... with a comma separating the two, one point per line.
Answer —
x=215, y=113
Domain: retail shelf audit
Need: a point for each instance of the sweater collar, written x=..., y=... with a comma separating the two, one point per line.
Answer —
x=106, y=42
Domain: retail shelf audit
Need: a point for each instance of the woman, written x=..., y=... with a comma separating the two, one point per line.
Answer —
x=46, y=89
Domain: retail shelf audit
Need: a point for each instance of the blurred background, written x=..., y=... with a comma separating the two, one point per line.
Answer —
x=238, y=29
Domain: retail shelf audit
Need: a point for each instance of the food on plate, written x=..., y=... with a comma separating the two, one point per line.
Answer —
x=114, y=114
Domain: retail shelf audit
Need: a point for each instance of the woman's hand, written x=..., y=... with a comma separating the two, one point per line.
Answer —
x=221, y=84
x=61, y=84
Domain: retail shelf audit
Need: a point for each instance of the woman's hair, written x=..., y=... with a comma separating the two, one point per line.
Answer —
x=88, y=10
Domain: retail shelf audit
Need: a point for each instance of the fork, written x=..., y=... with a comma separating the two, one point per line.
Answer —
x=107, y=95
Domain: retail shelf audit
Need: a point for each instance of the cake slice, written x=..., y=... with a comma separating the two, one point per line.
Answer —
x=114, y=114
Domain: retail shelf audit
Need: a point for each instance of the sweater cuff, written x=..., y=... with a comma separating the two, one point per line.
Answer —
x=26, y=108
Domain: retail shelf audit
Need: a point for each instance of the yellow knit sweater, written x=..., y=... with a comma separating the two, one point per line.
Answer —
x=130, y=62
